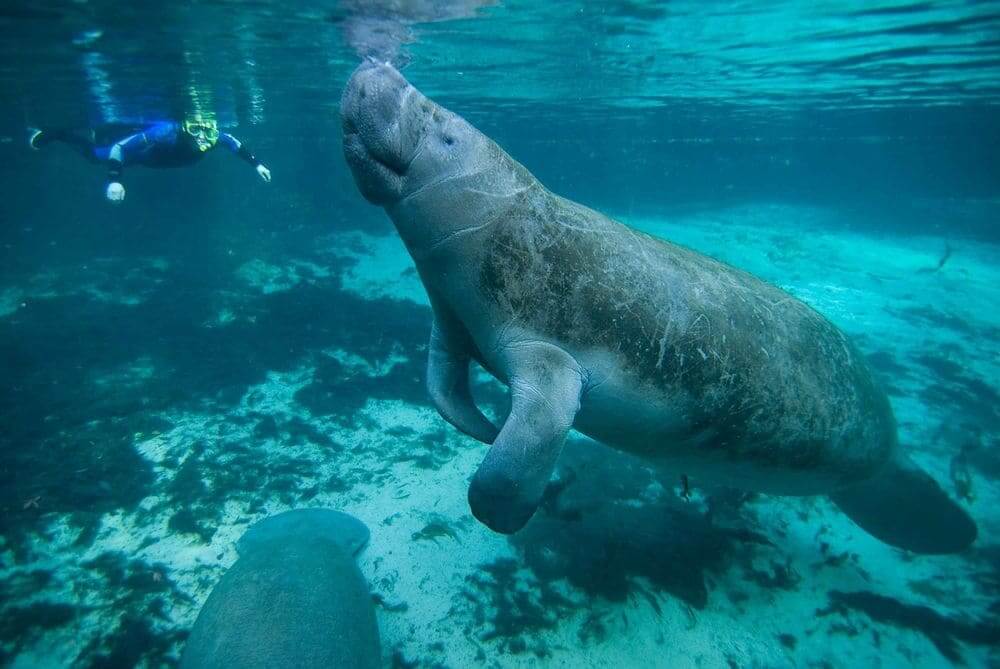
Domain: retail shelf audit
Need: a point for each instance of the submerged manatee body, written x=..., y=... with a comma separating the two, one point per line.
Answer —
x=295, y=599
x=644, y=345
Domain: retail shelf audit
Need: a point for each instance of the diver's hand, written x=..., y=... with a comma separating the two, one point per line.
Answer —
x=264, y=173
x=115, y=192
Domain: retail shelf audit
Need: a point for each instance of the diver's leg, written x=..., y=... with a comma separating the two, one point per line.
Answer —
x=80, y=142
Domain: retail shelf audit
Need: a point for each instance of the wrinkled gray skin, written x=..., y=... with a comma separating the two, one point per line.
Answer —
x=295, y=599
x=641, y=344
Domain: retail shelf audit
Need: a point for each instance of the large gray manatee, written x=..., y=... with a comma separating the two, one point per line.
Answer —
x=646, y=346
x=295, y=599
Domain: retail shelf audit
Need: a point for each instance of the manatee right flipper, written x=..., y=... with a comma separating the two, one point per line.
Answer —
x=545, y=390
x=448, y=381
x=904, y=507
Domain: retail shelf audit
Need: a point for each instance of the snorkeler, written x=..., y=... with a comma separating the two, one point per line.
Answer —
x=162, y=144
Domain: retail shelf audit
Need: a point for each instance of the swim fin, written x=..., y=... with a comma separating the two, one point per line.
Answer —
x=904, y=507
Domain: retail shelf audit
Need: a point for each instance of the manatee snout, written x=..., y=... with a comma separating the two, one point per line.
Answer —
x=374, y=90
x=372, y=111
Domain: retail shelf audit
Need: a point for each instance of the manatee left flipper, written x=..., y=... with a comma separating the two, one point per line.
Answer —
x=545, y=388
x=448, y=382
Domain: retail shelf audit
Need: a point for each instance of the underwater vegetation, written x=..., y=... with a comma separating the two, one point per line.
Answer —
x=72, y=448
x=607, y=535
x=201, y=485
x=505, y=606
x=339, y=392
x=609, y=546
x=140, y=597
x=74, y=455
x=943, y=631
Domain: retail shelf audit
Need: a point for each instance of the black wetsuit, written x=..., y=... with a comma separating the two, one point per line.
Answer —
x=161, y=144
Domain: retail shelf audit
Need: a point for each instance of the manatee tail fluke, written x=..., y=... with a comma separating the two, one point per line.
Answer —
x=904, y=507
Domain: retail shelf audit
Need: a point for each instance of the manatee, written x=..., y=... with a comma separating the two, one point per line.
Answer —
x=644, y=345
x=295, y=598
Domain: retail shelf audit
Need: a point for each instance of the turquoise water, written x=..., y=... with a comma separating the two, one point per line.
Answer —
x=215, y=350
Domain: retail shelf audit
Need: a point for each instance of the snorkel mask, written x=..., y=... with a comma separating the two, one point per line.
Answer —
x=204, y=132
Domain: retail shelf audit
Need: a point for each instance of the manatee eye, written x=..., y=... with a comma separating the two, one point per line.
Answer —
x=448, y=139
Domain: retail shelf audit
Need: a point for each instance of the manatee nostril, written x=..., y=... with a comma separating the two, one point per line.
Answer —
x=363, y=93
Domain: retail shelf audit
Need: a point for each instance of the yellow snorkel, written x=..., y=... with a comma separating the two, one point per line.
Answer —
x=204, y=131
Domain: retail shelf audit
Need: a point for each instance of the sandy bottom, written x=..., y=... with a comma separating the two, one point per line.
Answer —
x=451, y=593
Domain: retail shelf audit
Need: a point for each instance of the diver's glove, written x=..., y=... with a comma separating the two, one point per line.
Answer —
x=115, y=192
x=264, y=173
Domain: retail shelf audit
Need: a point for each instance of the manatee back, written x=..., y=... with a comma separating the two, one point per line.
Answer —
x=294, y=599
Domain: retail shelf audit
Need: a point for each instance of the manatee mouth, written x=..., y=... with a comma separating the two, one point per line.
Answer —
x=396, y=167
x=391, y=162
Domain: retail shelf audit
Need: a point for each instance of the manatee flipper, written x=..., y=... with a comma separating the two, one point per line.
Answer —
x=904, y=507
x=448, y=382
x=545, y=388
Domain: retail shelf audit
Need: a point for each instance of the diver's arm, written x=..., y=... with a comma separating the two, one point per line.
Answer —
x=128, y=149
x=116, y=162
x=240, y=149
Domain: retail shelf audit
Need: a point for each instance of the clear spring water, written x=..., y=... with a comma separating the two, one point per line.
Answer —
x=215, y=349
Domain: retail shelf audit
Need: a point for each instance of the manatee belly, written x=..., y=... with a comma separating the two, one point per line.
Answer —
x=787, y=454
